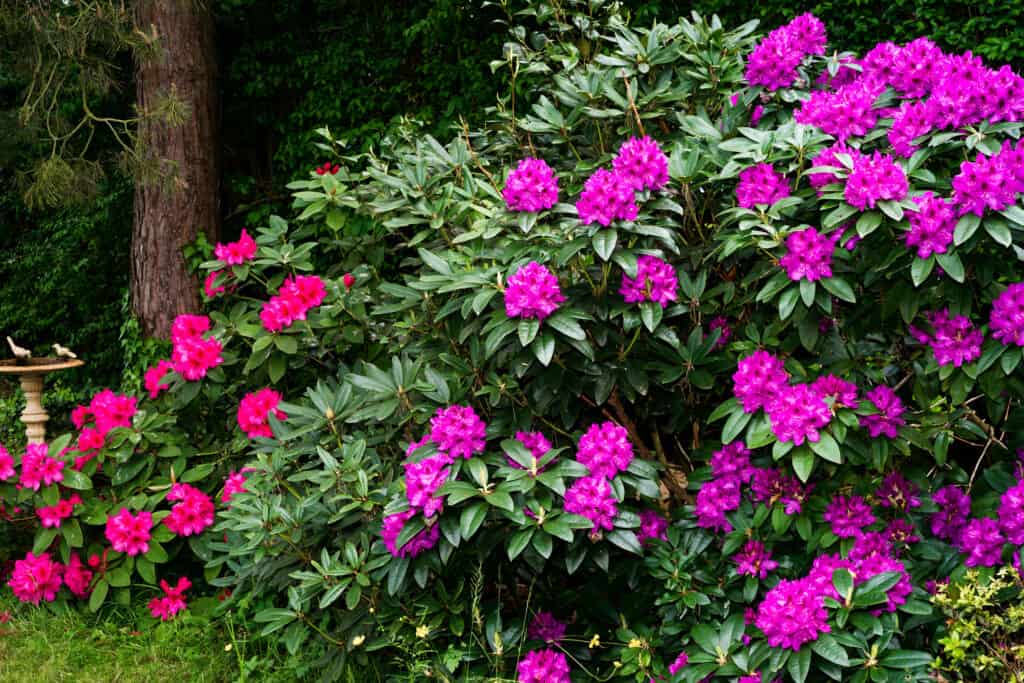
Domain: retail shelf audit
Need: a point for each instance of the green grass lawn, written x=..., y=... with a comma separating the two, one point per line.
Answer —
x=39, y=646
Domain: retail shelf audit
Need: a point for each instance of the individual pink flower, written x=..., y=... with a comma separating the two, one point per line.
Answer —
x=874, y=179
x=6, y=464
x=77, y=577
x=532, y=186
x=678, y=663
x=607, y=197
x=655, y=280
x=187, y=326
x=605, y=450
x=592, y=497
x=130, y=533
x=193, y=357
x=808, y=255
x=761, y=185
x=642, y=163
x=192, y=514
x=254, y=413
x=237, y=253
x=543, y=666
x=546, y=627
x=458, y=431
x=888, y=419
x=1007, y=317
x=210, y=287
x=38, y=468
x=931, y=226
x=173, y=600
x=754, y=560
x=532, y=292
x=154, y=377
x=653, y=526
x=841, y=392
x=757, y=379
x=234, y=483
x=424, y=540
x=36, y=578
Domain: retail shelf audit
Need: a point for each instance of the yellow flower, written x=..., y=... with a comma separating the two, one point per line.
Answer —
x=636, y=642
x=595, y=641
x=358, y=640
x=422, y=631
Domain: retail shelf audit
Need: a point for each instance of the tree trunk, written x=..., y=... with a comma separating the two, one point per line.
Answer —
x=173, y=210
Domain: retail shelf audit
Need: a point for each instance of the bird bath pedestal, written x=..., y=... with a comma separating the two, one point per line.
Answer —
x=31, y=373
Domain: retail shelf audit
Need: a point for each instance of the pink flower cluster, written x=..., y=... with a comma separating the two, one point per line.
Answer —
x=829, y=157
x=154, y=378
x=843, y=113
x=36, y=578
x=546, y=627
x=797, y=412
x=129, y=533
x=809, y=255
x=774, y=62
x=655, y=280
x=990, y=182
x=653, y=526
x=6, y=464
x=848, y=516
x=954, y=339
x=536, y=443
x=424, y=540
x=605, y=450
x=52, y=516
x=193, y=354
x=761, y=185
x=237, y=253
x=931, y=226
x=898, y=493
x=106, y=411
x=890, y=409
x=293, y=301
x=38, y=468
x=192, y=514
x=758, y=378
x=532, y=292
x=532, y=186
x=422, y=479
x=611, y=195
x=875, y=178
x=543, y=666
x=954, y=510
x=982, y=541
x=592, y=497
x=1007, y=317
x=254, y=412
x=77, y=577
x=458, y=431
x=754, y=560
x=172, y=601
x=770, y=486
x=234, y=483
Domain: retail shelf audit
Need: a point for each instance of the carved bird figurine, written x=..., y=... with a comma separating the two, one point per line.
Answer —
x=19, y=353
x=64, y=352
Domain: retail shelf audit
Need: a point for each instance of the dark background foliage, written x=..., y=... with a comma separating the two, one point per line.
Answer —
x=289, y=67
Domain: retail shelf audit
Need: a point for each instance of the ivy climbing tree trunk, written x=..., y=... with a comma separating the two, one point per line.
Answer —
x=177, y=198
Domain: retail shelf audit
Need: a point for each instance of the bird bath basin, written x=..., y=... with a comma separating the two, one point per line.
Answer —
x=31, y=372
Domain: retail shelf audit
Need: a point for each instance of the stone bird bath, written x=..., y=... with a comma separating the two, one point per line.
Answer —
x=31, y=372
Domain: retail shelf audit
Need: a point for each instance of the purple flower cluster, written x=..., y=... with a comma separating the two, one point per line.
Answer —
x=791, y=614
x=954, y=339
x=990, y=182
x=607, y=197
x=642, y=163
x=754, y=560
x=424, y=540
x=911, y=121
x=680, y=661
x=715, y=498
x=808, y=255
x=1007, y=317
x=652, y=527
x=837, y=390
x=875, y=178
x=843, y=113
x=888, y=419
x=982, y=542
x=954, y=509
x=721, y=323
x=458, y=431
x=532, y=292
x=605, y=450
x=848, y=516
x=757, y=379
x=655, y=280
x=898, y=492
x=422, y=479
x=543, y=666
x=761, y=185
x=546, y=627
x=931, y=226
x=592, y=497
x=770, y=486
x=796, y=414
x=774, y=62
x=1011, y=514
x=536, y=443
x=532, y=186
x=732, y=460
x=827, y=157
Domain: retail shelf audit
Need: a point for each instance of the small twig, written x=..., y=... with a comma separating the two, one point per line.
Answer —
x=632, y=106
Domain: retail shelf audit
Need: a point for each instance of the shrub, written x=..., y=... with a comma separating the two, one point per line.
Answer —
x=513, y=449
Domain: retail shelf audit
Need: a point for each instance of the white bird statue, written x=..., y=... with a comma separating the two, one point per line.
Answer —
x=19, y=352
x=64, y=352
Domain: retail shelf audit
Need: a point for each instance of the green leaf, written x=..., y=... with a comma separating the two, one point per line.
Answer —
x=787, y=302
x=891, y=209
x=803, y=463
x=72, y=533
x=542, y=544
x=287, y=344
x=868, y=223
x=518, y=542
x=625, y=539
x=527, y=330
x=827, y=448
x=951, y=263
x=831, y=651
x=120, y=577
x=73, y=479
x=650, y=313
x=565, y=325
x=906, y=659
x=543, y=348
x=156, y=553
x=920, y=269
x=736, y=423
x=471, y=519
x=807, y=289
x=44, y=538
x=842, y=579
x=999, y=231
x=99, y=594
x=799, y=664
x=838, y=287
x=604, y=243
x=435, y=262
x=500, y=499
x=965, y=228
x=146, y=570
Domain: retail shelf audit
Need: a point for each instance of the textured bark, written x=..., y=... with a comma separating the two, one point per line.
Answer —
x=171, y=213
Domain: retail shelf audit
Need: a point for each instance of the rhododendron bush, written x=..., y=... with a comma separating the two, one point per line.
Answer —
x=698, y=361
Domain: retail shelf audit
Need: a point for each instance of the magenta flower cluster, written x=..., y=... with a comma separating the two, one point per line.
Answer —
x=531, y=187
x=775, y=60
x=848, y=516
x=1007, y=318
x=843, y=113
x=532, y=292
x=809, y=255
x=642, y=163
x=543, y=666
x=611, y=195
x=546, y=627
x=954, y=339
x=761, y=185
x=605, y=450
x=931, y=226
x=458, y=431
x=888, y=418
x=754, y=560
x=655, y=281
x=874, y=179
x=298, y=295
